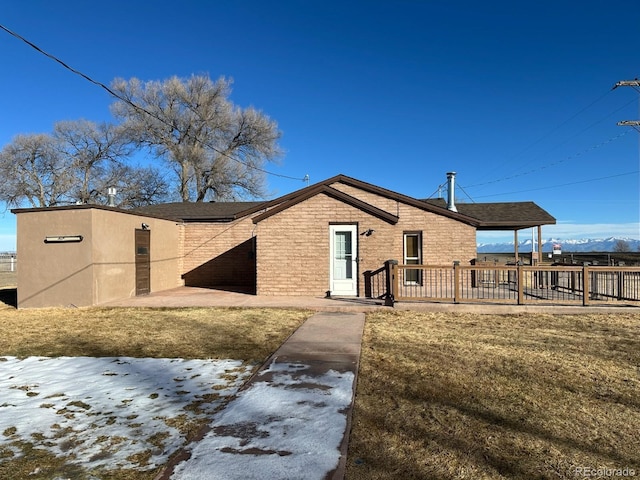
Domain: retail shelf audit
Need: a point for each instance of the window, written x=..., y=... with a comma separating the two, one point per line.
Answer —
x=413, y=256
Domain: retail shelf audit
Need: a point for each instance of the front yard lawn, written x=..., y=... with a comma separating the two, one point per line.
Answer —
x=110, y=393
x=467, y=396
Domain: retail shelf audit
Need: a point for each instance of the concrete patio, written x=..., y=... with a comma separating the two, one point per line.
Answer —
x=208, y=297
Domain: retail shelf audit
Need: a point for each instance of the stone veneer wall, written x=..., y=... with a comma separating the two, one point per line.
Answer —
x=293, y=245
x=219, y=254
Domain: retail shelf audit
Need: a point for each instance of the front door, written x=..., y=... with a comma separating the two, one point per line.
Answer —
x=344, y=266
x=143, y=262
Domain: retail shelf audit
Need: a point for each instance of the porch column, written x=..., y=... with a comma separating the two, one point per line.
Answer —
x=515, y=241
x=539, y=244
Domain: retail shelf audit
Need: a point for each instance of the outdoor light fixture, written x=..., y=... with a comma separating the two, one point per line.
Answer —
x=145, y=226
x=368, y=232
x=63, y=239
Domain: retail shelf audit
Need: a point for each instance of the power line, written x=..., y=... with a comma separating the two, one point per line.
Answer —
x=556, y=128
x=465, y=192
x=557, y=162
x=141, y=109
x=561, y=185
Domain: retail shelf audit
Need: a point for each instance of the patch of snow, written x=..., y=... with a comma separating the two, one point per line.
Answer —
x=103, y=412
x=107, y=412
x=289, y=427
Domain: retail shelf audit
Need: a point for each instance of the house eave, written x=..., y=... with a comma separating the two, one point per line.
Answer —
x=59, y=208
x=495, y=226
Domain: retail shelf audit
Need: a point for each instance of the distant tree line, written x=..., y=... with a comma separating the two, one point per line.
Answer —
x=201, y=146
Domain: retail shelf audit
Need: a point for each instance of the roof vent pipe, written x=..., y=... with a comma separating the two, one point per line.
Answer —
x=111, y=196
x=451, y=191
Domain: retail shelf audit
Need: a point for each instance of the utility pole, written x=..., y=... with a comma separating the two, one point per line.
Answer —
x=635, y=84
x=635, y=124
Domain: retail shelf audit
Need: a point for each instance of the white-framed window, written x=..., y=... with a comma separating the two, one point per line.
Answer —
x=413, y=256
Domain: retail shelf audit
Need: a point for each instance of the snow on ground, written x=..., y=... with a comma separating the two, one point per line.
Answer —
x=125, y=413
x=289, y=427
x=109, y=412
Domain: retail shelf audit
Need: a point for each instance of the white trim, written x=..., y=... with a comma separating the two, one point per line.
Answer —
x=345, y=283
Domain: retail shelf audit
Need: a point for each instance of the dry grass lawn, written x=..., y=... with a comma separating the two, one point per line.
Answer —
x=440, y=395
x=8, y=279
x=462, y=396
x=243, y=334
x=250, y=335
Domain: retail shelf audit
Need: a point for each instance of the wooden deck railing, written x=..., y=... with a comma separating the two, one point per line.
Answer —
x=511, y=284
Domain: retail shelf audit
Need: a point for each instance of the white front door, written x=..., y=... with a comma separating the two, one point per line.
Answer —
x=344, y=266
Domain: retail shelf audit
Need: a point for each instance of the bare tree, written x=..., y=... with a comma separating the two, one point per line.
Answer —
x=90, y=150
x=621, y=246
x=34, y=171
x=217, y=150
x=77, y=164
x=135, y=186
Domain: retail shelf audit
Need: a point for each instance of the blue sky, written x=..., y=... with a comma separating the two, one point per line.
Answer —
x=514, y=96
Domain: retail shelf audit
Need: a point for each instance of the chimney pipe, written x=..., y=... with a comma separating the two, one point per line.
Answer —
x=451, y=191
x=111, y=196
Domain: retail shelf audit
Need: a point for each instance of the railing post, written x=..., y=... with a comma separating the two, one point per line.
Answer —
x=391, y=267
x=586, y=287
x=620, y=276
x=520, y=275
x=367, y=284
x=456, y=281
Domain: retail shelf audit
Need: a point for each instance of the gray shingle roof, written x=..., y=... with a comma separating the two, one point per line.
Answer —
x=502, y=215
x=484, y=216
x=199, y=211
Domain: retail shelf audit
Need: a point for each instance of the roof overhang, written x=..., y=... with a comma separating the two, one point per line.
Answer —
x=60, y=208
x=497, y=226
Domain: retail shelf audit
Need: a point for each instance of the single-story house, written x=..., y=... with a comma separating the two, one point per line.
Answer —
x=318, y=239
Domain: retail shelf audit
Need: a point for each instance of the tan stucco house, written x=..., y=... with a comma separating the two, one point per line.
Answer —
x=319, y=239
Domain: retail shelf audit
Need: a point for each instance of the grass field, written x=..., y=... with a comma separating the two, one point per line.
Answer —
x=8, y=279
x=439, y=395
x=496, y=397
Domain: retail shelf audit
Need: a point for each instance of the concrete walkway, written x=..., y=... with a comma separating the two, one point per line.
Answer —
x=293, y=418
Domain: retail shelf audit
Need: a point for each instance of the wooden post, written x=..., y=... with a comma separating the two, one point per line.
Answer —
x=391, y=267
x=456, y=281
x=519, y=269
x=620, y=285
x=539, y=244
x=367, y=284
x=585, y=285
x=515, y=242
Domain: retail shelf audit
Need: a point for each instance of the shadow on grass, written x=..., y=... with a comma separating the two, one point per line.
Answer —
x=9, y=296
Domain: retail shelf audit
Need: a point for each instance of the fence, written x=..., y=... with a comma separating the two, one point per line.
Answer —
x=8, y=262
x=511, y=284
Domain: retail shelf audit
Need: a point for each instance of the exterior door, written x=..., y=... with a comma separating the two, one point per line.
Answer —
x=344, y=261
x=143, y=261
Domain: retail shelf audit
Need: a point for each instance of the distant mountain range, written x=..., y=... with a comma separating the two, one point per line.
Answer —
x=581, y=245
